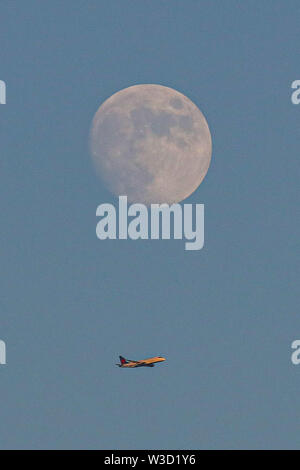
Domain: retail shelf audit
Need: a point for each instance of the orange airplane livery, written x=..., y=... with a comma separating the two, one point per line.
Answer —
x=143, y=363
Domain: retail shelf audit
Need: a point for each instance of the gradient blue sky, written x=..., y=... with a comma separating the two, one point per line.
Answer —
x=224, y=316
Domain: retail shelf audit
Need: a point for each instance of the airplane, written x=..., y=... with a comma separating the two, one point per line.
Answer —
x=143, y=363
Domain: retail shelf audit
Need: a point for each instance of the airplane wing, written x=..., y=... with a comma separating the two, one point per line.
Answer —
x=134, y=364
x=143, y=363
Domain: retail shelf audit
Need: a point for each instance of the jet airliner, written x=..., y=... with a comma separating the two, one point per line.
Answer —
x=143, y=363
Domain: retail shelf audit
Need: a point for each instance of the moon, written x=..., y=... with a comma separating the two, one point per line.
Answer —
x=150, y=143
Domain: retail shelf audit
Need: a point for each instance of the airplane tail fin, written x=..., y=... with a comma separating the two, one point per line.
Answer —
x=122, y=360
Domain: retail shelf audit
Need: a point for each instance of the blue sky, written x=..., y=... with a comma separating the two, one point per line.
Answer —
x=225, y=316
